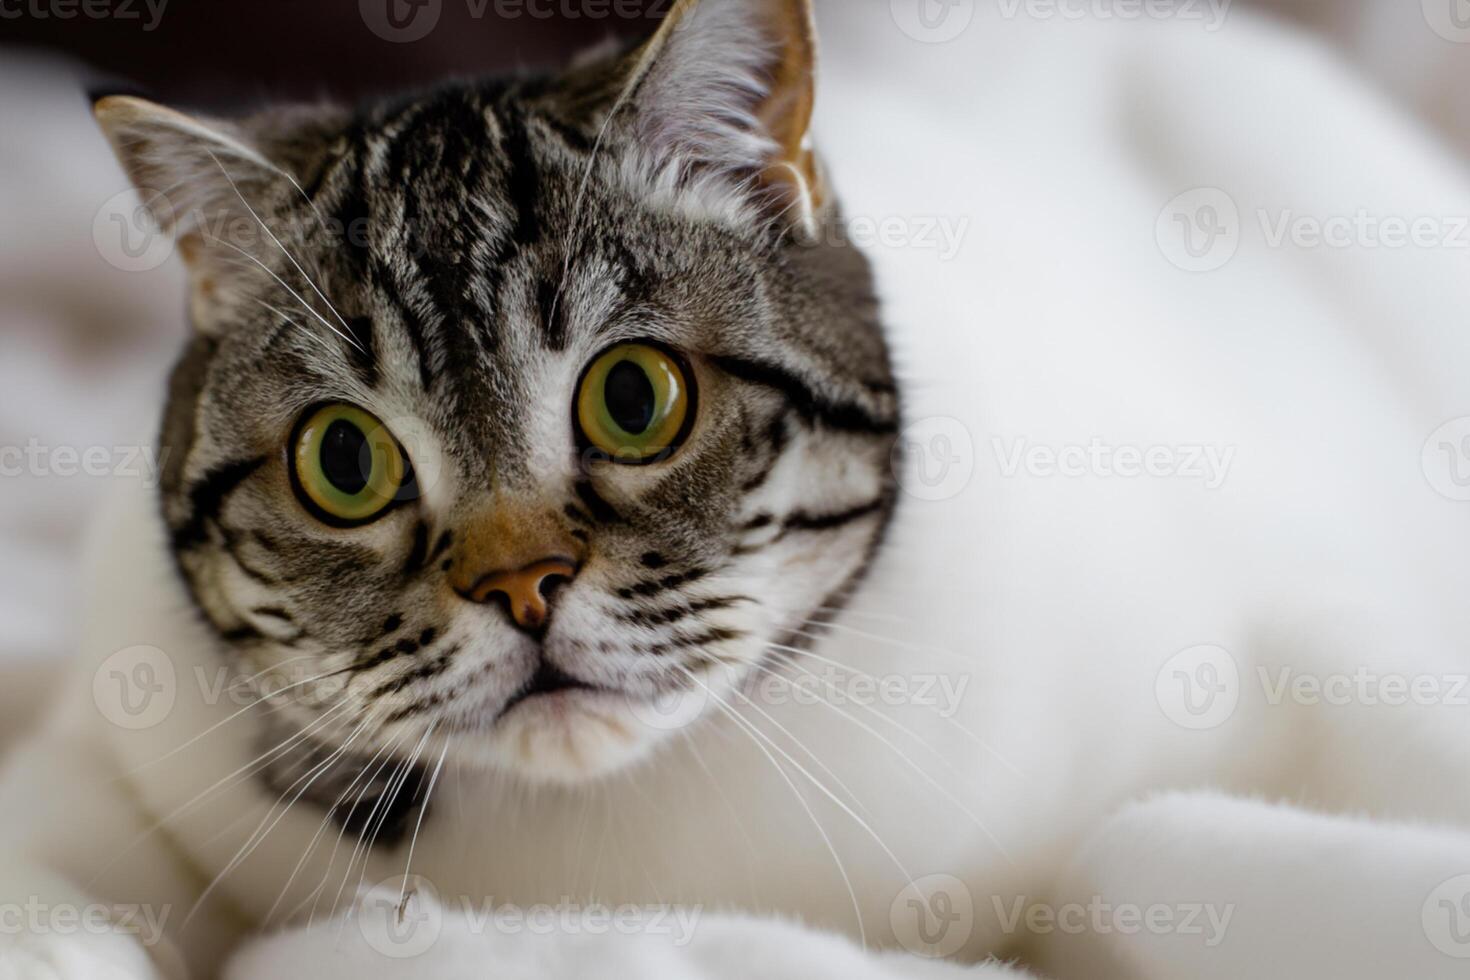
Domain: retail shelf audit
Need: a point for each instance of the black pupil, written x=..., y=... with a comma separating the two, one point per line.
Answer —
x=347, y=461
x=630, y=397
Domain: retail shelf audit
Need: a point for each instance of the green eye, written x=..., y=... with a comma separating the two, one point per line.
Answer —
x=634, y=403
x=346, y=465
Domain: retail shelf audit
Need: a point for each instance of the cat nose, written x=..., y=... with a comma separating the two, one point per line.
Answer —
x=526, y=592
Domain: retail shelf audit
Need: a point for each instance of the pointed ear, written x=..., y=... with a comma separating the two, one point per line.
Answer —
x=180, y=165
x=213, y=184
x=729, y=85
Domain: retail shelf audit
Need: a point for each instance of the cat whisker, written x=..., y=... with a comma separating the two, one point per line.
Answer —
x=220, y=724
x=390, y=796
x=259, y=835
x=239, y=775
x=286, y=252
x=980, y=742
x=693, y=745
x=863, y=614
x=575, y=229
x=959, y=804
x=419, y=824
x=790, y=661
x=315, y=895
x=887, y=640
x=799, y=744
x=296, y=323
x=743, y=725
x=311, y=845
x=287, y=287
x=803, y=770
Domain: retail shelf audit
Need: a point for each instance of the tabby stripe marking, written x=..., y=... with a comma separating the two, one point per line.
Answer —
x=208, y=496
x=842, y=416
x=600, y=508
x=802, y=521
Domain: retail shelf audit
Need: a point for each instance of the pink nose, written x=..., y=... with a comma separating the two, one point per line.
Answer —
x=527, y=592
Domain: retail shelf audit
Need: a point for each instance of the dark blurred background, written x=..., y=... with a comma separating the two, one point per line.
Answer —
x=228, y=53
x=222, y=52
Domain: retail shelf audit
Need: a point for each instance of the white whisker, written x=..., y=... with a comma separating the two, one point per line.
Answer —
x=284, y=251
x=741, y=724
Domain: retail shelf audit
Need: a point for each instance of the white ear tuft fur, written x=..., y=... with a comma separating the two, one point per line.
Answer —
x=727, y=86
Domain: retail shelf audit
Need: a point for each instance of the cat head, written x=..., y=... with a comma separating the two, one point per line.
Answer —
x=528, y=418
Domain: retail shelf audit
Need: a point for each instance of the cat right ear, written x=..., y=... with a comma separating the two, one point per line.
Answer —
x=728, y=86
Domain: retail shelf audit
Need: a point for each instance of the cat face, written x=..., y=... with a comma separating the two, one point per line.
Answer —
x=524, y=421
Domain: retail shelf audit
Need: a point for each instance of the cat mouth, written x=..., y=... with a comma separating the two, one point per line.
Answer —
x=549, y=681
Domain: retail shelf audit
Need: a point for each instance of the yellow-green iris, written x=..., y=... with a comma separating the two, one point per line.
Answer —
x=347, y=465
x=634, y=403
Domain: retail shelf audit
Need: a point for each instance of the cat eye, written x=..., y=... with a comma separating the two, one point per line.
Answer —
x=634, y=403
x=346, y=466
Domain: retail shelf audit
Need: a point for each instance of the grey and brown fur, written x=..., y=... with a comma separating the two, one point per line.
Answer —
x=451, y=261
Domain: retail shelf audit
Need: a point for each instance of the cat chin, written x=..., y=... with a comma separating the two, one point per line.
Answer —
x=565, y=739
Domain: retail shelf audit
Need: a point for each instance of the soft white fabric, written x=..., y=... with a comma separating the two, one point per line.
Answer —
x=427, y=941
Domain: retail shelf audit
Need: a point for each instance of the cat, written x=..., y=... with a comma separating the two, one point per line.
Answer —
x=532, y=541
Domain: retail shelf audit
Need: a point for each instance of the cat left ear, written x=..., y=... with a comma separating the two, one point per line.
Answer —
x=196, y=175
x=178, y=163
x=729, y=85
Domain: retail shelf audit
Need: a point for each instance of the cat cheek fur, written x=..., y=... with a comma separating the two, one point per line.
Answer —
x=456, y=259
